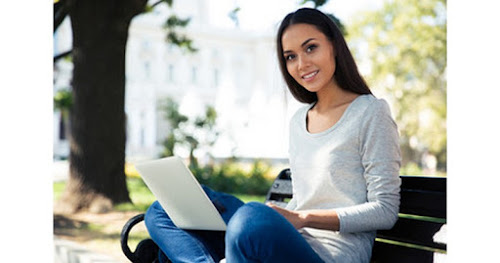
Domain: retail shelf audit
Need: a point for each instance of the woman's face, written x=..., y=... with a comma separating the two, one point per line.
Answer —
x=309, y=56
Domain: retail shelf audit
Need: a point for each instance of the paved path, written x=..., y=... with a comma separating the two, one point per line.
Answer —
x=66, y=251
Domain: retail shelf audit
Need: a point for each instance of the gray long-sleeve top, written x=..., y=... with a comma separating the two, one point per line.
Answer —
x=352, y=167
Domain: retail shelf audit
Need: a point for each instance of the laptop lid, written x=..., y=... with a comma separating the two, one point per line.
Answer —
x=180, y=194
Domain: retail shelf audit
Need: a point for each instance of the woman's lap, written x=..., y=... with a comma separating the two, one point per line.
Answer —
x=253, y=229
x=190, y=245
x=257, y=233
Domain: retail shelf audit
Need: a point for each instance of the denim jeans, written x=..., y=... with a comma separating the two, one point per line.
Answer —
x=255, y=233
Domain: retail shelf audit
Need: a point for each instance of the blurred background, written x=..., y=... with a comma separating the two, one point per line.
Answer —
x=200, y=80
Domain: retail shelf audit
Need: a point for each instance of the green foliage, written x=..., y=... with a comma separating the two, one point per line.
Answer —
x=405, y=44
x=63, y=100
x=174, y=118
x=174, y=21
x=142, y=197
x=230, y=177
x=171, y=112
x=411, y=169
x=173, y=37
x=192, y=134
x=172, y=26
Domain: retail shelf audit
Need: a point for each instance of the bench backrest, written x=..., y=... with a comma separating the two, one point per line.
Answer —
x=422, y=214
x=281, y=189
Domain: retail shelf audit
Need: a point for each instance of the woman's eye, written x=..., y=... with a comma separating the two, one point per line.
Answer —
x=289, y=57
x=311, y=48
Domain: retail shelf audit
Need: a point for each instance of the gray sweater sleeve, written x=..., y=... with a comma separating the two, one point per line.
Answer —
x=381, y=160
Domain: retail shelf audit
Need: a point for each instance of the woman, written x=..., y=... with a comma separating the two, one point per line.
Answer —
x=344, y=159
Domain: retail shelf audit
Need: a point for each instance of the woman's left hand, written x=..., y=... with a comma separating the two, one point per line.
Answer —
x=294, y=217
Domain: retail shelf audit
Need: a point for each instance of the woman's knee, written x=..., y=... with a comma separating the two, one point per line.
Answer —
x=249, y=220
x=154, y=212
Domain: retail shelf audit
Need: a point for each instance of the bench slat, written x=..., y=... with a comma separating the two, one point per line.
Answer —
x=390, y=253
x=424, y=203
x=420, y=196
x=425, y=196
x=428, y=183
x=414, y=232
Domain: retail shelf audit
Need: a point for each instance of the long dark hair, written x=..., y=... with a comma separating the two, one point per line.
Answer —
x=346, y=72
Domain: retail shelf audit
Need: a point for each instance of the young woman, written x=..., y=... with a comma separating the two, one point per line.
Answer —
x=344, y=159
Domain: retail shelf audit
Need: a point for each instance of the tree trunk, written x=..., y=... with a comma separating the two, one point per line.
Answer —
x=97, y=117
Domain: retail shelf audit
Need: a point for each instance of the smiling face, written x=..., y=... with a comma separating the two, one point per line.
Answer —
x=309, y=56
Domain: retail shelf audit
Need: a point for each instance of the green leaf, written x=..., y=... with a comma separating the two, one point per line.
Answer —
x=63, y=99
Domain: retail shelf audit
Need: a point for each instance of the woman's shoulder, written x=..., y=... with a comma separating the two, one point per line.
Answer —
x=376, y=114
x=370, y=105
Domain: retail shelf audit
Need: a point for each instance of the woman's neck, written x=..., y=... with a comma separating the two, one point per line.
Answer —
x=332, y=97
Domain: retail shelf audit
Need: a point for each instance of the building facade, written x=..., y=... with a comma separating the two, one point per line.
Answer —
x=234, y=71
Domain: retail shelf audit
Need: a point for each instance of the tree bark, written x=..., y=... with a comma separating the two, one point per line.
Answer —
x=97, y=117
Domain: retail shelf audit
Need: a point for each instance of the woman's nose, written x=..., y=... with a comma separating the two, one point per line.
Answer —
x=303, y=62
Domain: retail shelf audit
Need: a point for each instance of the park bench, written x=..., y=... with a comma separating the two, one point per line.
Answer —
x=416, y=236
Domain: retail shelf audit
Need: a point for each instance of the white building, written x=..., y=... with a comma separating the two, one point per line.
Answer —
x=234, y=71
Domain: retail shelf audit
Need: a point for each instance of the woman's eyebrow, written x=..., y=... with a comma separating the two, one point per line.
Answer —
x=307, y=41
x=303, y=44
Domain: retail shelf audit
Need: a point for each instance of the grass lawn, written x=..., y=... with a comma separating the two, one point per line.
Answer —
x=142, y=197
x=101, y=232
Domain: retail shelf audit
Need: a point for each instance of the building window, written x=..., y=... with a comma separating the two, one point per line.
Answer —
x=147, y=69
x=216, y=77
x=171, y=73
x=142, y=137
x=146, y=46
x=170, y=48
x=194, y=73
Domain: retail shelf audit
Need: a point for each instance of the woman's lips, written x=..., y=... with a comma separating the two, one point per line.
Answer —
x=310, y=76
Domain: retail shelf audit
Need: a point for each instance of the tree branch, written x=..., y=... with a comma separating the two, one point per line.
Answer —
x=157, y=3
x=62, y=55
x=61, y=10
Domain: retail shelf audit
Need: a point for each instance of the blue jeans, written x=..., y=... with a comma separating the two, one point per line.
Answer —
x=255, y=233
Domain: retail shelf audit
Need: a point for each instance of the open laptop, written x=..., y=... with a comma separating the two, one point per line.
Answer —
x=180, y=194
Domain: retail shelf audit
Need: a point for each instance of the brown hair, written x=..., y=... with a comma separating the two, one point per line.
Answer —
x=346, y=72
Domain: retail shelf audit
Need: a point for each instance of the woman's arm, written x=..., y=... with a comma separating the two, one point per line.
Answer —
x=380, y=156
x=381, y=161
x=321, y=219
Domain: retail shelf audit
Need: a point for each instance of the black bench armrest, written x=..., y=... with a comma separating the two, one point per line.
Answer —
x=146, y=251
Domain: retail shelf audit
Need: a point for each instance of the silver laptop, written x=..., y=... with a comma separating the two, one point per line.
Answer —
x=180, y=194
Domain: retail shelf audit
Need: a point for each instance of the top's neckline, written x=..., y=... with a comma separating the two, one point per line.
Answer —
x=331, y=128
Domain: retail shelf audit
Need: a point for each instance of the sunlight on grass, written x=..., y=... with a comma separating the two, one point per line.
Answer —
x=139, y=193
x=142, y=197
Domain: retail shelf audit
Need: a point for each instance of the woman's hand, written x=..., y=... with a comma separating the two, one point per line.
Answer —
x=295, y=217
x=318, y=218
